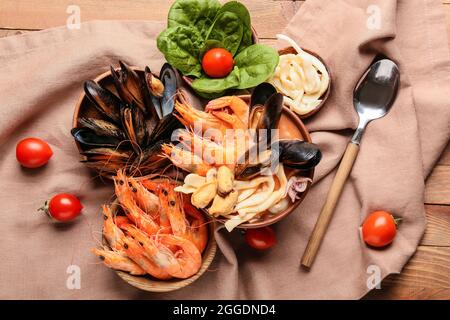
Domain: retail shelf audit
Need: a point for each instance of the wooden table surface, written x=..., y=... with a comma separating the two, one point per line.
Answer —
x=426, y=276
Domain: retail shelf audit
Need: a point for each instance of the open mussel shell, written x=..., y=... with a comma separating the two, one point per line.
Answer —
x=261, y=93
x=153, y=92
x=297, y=154
x=129, y=86
x=89, y=137
x=164, y=128
x=134, y=125
x=266, y=118
x=253, y=162
x=168, y=77
x=106, y=102
x=102, y=127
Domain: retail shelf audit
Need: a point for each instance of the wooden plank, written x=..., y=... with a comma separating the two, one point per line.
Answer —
x=437, y=189
x=438, y=226
x=268, y=17
x=426, y=275
x=445, y=157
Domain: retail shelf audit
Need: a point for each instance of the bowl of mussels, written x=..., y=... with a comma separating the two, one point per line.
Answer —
x=123, y=117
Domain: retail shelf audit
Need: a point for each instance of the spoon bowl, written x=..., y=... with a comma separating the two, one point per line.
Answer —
x=375, y=94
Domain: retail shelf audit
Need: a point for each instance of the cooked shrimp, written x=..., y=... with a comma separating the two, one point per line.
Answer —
x=111, y=232
x=121, y=221
x=174, y=213
x=160, y=189
x=237, y=118
x=193, y=118
x=136, y=253
x=131, y=209
x=188, y=257
x=198, y=231
x=185, y=160
x=211, y=152
x=117, y=261
x=159, y=255
x=146, y=200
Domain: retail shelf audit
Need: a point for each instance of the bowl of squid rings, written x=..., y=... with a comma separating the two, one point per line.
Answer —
x=302, y=77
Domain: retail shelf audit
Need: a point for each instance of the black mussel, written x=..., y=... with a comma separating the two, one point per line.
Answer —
x=107, y=154
x=168, y=77
x=88, y=137
x=151, y=158
x=154, y=90
x=154, y=85
x=133, y=122
x=252, y=163
x=129, y=86
x=255, y=116
x=267, y=119
x=104, y=100
x=297, y=154
x=164, y=128
x=102, y=127
x=261, y=93
x=107, y=160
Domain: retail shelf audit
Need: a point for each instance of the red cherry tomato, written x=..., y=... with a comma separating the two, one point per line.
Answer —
x=33, y=152
x=379, y=229
x=261, y=238
x=217, y=63
x=63, y=207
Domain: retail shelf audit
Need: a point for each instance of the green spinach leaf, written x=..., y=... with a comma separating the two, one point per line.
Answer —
x=205, y=85
x=210, y=44
x=256, y=64
x=180, y=46
x=228, y=29
x=198, y=14
x=244, y=16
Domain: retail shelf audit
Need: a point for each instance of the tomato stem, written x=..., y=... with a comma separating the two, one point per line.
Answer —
x=45, y=209
x=397, y=221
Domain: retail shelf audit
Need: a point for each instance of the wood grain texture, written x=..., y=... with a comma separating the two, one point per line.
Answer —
x=437, y=190
x=25, y=14
x=426, y=276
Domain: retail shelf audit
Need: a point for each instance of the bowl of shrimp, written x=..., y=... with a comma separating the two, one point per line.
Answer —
x=152, y=237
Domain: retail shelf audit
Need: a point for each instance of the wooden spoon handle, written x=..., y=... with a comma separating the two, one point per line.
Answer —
x=330, y=204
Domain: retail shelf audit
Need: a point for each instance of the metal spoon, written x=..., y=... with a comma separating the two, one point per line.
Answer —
x=373, y=97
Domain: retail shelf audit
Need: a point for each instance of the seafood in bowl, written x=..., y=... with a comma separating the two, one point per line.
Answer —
x=151, y=231
x=240, y=168
x=124, y=117
x=302, y=77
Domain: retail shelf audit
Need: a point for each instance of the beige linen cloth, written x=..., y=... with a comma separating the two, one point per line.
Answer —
x=41, y=76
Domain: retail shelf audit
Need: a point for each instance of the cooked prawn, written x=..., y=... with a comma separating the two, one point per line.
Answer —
x=188, y=257
x=132, y=210
x=176, y=217
x=193, y=118
x=185, y=160
x=145, y=199
x=237, y=118
x=111, y=232
x=136, y=253
x=117, y=261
